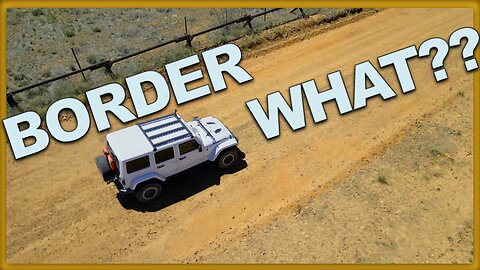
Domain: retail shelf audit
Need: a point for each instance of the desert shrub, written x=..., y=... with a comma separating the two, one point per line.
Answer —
x=19, y=76
x=97, y=29
x=124, y=48
x=175, y=54
x=13, y=111
x=435, y=152
x=58, y=92
x=80, y=88
x=38, y=103
x=68, y=88
x=239, y=31
x=250, y=41
x=69, y=32
x=382, y=179
x=46, y=74
x=222, y=39
x=30, y=94
x=37, y=12
x=92, y=58
x=275, y=33
x=51, y=18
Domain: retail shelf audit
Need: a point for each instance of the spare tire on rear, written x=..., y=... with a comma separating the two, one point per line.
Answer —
x=104, y=167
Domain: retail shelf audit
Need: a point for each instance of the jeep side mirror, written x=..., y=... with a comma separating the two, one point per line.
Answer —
x=199, y=149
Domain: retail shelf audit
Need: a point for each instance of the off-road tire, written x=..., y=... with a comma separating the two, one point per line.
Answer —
x=104, y=167
x=148, y=193
x=227, y=158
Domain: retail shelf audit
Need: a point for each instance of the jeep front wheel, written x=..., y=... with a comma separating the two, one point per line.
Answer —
x=148, y=192
x=227, y=158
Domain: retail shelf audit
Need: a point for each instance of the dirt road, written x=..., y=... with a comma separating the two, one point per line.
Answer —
x=60, y=211
x=411, y=203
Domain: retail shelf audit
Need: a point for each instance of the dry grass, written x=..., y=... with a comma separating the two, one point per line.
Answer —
x=101, y=34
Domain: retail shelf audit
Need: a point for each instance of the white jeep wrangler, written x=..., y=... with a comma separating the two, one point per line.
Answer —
x=143, y=156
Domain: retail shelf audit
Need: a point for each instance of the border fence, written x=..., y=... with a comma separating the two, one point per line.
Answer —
x=107, y=64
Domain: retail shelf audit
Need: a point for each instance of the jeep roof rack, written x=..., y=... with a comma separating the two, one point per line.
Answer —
x=166, y=130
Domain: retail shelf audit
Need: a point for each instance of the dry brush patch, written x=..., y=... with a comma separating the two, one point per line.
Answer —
x=83, y=30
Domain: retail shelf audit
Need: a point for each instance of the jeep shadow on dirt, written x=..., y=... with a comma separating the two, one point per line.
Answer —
x=141, y=158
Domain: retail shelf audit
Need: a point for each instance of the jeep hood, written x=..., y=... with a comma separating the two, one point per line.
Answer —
x=218, y=130
x=211, y=129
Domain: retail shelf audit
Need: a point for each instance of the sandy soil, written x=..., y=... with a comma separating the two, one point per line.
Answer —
x=410, y=204
x=60, y=211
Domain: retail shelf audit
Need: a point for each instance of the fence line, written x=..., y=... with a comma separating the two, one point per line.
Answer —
x=247, y=19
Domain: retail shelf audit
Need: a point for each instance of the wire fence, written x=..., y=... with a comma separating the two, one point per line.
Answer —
x=247, y=21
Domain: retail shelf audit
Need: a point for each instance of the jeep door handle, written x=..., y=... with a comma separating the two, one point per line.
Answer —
x=182, y=158
x=161, y=166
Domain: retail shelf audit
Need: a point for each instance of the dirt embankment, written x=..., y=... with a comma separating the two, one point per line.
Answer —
x=60, y=211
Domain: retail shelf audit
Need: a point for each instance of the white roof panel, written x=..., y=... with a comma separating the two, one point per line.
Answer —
x=129, y=143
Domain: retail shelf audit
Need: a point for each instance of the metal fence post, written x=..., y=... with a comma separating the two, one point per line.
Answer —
x=304, y=15
x=248, y=22
x=11, y=101
x=78, y=63
x=186, y=28
x=108, y=67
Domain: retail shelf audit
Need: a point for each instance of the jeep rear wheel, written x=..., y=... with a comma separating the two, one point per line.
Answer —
x=227, y=158
x=148, y=192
